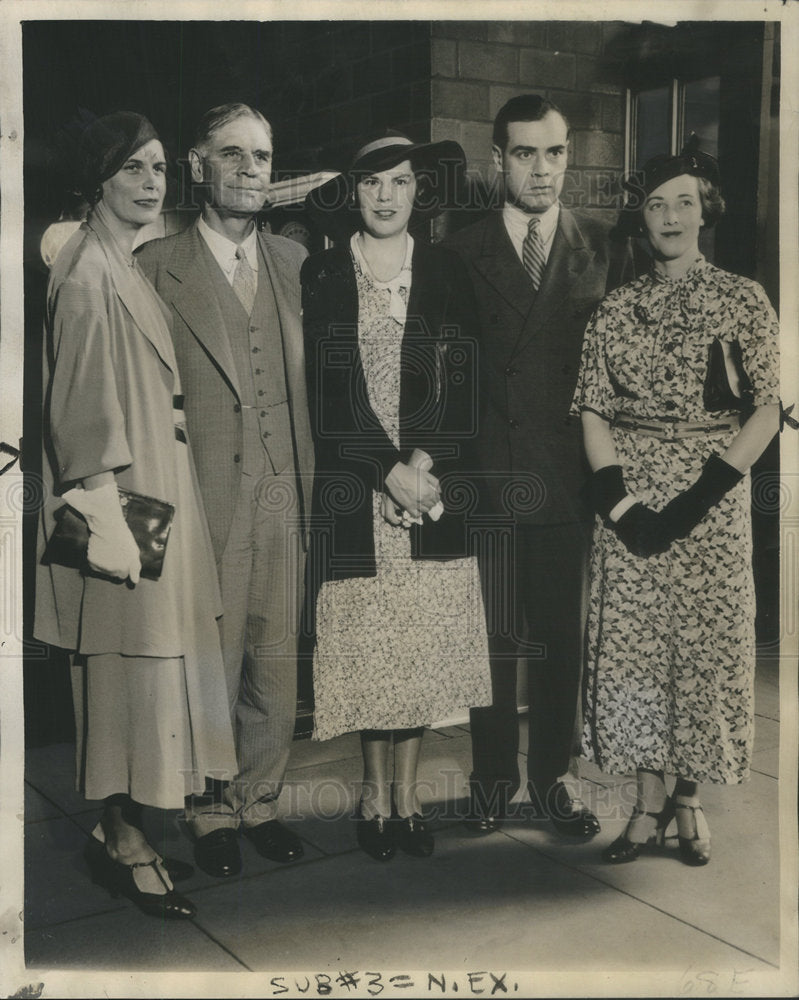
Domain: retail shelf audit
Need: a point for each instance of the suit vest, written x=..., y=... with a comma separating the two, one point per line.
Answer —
x=256, y=344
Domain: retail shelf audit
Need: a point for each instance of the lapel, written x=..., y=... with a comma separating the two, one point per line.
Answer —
x=501, y=267
x=144, y=312
x=193, y=299
x=568, y=258
x=283, y=278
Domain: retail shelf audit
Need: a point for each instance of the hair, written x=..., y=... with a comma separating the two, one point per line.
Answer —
x=222, y=115
x=713, y=206
x=523, y=108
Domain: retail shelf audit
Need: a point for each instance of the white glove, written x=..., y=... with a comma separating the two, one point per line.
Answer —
x=112, y=547
x=421, y=460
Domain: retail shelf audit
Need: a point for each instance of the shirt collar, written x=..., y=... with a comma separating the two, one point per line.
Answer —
x=517, y=222
x=224, y=250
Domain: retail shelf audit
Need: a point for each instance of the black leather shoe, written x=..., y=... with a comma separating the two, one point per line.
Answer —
x=274, y=841
x=177, y=870
x=482, y=824
x=376, y=837
x=412, y=836
x=568, y=820
x=217, y=853
x=120, y=880
x=623, y=850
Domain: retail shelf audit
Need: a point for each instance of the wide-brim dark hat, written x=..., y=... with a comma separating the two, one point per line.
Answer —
x=656, y=171
x=439, y=166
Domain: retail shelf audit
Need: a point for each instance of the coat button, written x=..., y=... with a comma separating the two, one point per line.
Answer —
x=668, y=375
x=670, y=404
x=236, y=408
x=510, y=371
x=513, y=424
x=237, y=458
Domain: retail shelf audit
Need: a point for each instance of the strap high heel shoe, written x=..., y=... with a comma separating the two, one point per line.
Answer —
x=120, y=880
x=623, y=849
x=694, y=850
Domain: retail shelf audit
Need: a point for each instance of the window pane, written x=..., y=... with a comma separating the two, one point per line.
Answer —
x=701, y=105
x=651, y=124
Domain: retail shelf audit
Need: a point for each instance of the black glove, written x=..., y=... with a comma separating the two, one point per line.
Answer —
x=641, y=531
x=639, y=528
x=606, y=489
x=682, y=514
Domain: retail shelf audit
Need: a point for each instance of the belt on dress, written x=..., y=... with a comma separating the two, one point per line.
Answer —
x=672, y=427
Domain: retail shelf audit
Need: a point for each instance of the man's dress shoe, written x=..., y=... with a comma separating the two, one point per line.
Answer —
x=568, y=820
x=274, y=841
x=217, y=853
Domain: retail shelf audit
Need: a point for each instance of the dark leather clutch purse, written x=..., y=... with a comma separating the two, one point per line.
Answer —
x=149, y=521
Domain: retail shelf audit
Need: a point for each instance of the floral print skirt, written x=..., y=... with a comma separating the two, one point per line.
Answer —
x=402, y=649
x=669, y=676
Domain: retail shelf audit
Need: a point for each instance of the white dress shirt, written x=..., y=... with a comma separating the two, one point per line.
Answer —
x=224, y=250
x=517, y=222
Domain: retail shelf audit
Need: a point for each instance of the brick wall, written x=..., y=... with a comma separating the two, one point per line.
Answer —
x=477, y=66
x=345, y=79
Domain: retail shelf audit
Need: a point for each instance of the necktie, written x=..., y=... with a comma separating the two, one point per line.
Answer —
x=244, y=281
x=533, y=256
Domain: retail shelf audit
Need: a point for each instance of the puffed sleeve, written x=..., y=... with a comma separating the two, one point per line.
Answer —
x=86, y=420
x=594, y=389
x=759, y=341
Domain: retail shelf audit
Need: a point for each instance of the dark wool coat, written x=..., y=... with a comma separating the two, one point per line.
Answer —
x=438, y=408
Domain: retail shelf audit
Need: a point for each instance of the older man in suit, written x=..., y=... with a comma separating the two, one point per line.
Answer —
x=234, y=294
x=538, y=271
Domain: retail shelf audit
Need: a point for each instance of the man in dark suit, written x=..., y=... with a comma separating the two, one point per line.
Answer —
x=538, y=271
x=234, y=294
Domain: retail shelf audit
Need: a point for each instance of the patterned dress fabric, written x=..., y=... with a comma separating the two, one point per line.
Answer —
x=670, y=644
x=408, y=647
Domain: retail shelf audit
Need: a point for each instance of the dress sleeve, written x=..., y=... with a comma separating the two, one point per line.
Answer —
x=85, y=418
x=594, y=389
x=759, y=341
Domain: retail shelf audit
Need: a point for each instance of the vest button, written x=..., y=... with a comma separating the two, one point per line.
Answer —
x=253, y=329
x=267, y=433
x=260, y=392
x=263, y=413
x=258, y=371
x=255, y=350
x=236, y=408
x=237, y=458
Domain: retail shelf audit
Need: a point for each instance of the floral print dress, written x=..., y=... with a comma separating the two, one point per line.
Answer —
x=407, y=647
x=669, y=678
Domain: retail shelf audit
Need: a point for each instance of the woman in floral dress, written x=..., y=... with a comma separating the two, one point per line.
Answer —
x=678, y=393
x=400, y=625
